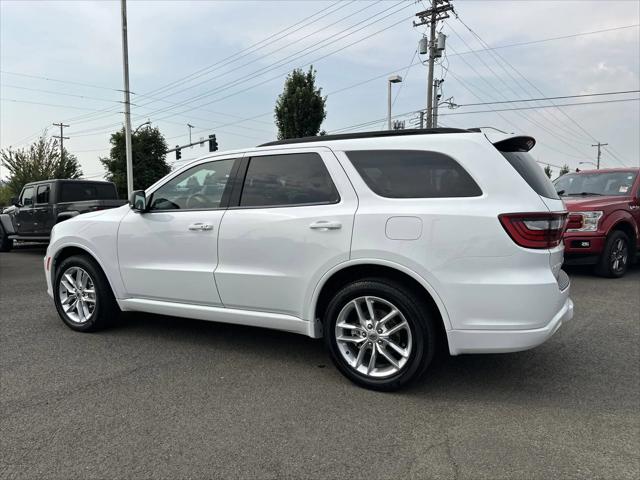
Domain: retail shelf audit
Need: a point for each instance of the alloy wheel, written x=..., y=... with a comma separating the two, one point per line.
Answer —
x=373, y=337
x=77, y=294
x=619, y=255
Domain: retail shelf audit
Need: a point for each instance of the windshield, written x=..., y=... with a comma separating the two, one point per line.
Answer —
x=596, y=183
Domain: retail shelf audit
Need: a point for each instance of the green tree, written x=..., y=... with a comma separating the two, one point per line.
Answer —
x=300, y=109
x=547, y=170
x=149, y=149
x=40, y=161
x=564, y=169
x=5, y=195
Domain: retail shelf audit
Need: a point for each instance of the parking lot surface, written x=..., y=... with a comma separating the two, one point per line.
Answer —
x=160, y=397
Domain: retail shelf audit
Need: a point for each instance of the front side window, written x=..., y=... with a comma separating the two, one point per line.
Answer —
x=27, y=197
x=290, y=179
x=413, y=174
x=605, y=183
x=198, y=188
x=42, y=195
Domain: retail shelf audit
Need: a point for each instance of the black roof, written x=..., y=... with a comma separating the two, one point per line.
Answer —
x=75, y=180
x=377, y=134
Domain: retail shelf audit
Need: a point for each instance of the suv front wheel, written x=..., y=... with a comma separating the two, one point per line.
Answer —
x=82, y=295
x=380, y=335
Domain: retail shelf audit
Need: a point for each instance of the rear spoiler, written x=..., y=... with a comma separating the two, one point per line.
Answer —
x=515, y=144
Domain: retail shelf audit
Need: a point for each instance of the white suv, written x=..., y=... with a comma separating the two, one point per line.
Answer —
x=389, y=245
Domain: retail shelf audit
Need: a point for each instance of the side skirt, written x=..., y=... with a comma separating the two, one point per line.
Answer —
x=275, y=321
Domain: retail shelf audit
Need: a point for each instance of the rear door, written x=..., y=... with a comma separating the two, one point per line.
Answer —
x=42, y=210
x=288, y=225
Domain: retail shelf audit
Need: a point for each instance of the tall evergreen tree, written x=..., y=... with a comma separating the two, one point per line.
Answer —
x=149, y=149
x=300, y=109
x=564, y=169
x=547, y=170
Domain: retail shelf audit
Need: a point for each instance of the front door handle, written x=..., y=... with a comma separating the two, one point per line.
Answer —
x=200, y=226
x=325, y=225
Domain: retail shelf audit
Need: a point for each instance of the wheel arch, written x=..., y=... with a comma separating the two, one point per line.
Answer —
x=70, y=250
x=628, y=229
x=349, y=271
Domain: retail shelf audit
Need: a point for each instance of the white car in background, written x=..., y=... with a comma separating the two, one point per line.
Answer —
x=390, y=245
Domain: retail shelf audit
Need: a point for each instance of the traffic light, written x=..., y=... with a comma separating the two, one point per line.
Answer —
x=213, y=143
x=178, y=152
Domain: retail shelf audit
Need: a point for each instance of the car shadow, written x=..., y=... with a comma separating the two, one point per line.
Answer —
x=515, y=377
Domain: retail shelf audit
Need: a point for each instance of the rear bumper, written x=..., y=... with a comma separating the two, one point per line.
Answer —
x=502, y=341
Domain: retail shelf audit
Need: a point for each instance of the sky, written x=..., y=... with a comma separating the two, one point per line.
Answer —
x=220, y=65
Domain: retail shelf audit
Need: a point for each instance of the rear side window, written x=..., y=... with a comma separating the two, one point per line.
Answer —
x=43, y=194
x=532, y=173
x=413, y=174
x=291, y=179
x=78, y=191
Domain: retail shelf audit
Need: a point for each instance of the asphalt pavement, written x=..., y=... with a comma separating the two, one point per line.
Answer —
x=161, y=397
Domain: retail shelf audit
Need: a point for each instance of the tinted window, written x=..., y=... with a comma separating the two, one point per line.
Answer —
x=293, y=179
x=605, y=183
x=43, y=194
x=198, y=188
x=413, y=174
x=79, y=191
x=27, y=197
x=531, y=172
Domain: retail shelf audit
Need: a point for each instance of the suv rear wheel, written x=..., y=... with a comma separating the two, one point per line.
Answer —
x=380, y=335
x=83, y=296
x=616, y=256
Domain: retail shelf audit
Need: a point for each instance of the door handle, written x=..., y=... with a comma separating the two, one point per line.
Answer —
x=200, y=226
x=325, y=225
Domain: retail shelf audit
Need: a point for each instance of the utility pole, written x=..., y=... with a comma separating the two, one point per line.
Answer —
x=431, y=17
x=127, y=100
x=599, y=145
x=61, y=137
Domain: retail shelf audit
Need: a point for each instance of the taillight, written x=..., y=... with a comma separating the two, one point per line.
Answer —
x=575, y=221
x=535, y=230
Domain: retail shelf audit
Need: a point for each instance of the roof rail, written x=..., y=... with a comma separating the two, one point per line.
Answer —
x=377, y=134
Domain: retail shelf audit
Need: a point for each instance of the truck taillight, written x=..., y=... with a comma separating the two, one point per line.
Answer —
x=575, y=221
x=535, y=230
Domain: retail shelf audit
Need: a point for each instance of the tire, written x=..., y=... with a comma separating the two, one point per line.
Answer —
x=352, y=348
x=6, y=243
x=616, y=256
x=70, y=278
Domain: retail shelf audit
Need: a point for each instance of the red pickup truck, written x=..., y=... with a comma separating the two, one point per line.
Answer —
x=604, y=218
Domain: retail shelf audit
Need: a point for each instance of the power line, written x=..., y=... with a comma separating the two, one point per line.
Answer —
x=101, y=87
x=548, y=98
x=4, y=85
x=291, y=58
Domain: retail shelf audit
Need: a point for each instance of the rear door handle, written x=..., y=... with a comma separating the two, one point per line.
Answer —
x=200, y=226
x=325, y=225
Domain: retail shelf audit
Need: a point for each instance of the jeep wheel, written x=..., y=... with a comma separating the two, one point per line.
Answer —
x=380, y=335
x=6, y=243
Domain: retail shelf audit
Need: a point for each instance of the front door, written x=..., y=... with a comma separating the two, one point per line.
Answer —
x=25, y=217
x=290, y=225
x=170, y=252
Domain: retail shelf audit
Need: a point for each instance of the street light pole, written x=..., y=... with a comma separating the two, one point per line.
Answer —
x=127, y=100
x=392, y=79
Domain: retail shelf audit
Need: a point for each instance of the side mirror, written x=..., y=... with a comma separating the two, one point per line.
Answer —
x=138, y=201
x=14, y=201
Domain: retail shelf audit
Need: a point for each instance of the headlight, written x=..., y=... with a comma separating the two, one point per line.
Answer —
x=584, y=221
